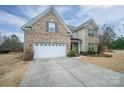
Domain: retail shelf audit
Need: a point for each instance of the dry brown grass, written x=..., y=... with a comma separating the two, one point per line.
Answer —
x=12, y=69
x=116, y=62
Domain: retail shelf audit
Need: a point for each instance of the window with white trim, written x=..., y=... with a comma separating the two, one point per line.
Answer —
x=51, y=27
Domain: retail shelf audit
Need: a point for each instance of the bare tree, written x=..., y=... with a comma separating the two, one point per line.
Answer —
x=106, y=36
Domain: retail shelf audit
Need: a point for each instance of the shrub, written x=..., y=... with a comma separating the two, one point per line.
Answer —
x=83, y=53
x=98, y=51
x=4, y=50
x=72, y=53
x=94, y=52
x=91, y=52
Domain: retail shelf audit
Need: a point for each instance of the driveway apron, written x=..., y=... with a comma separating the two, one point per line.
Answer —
x=69, y=72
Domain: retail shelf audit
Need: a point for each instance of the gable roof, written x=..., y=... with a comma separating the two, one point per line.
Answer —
x=85, y=24
x=51, y=9
x=73, y=28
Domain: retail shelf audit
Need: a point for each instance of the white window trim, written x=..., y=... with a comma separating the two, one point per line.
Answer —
x=49, y=27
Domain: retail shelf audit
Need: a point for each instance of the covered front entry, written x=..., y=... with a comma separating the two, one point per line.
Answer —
x=48, y=50
x=76, y=45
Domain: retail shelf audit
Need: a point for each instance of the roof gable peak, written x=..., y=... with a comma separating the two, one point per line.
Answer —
x=50, y=9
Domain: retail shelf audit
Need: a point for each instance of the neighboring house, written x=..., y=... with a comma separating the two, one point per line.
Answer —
x=48, y=36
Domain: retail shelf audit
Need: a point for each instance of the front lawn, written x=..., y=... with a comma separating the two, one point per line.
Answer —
x=116, y=62
x=12, y=69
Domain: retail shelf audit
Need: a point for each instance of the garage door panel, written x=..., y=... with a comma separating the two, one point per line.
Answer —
x=49, y=50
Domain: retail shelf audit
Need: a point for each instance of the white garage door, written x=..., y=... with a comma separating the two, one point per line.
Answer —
x=47, y=50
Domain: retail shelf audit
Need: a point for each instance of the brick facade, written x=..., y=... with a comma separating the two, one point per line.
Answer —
x=38, y=33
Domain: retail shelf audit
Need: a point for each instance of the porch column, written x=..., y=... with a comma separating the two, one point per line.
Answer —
x=79, y=47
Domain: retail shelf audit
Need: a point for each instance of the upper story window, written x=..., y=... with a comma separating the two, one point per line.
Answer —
x=51, y=27
x=91, y=33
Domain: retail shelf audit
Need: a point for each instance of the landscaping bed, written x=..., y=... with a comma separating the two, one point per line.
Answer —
x=100, y=55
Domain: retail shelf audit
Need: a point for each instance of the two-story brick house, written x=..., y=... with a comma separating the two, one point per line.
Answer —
x=47, y=35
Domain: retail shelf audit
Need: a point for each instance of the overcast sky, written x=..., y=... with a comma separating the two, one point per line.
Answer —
x=13, y=17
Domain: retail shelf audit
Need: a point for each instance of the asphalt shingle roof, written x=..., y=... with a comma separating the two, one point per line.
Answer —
x=73, y=28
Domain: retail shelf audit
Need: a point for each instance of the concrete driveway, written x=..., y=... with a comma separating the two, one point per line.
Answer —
x=69, y=72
